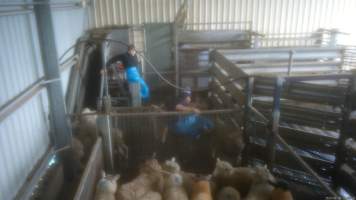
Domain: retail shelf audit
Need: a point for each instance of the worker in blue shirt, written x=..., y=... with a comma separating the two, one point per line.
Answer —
x=191, y=125
x=130, y=63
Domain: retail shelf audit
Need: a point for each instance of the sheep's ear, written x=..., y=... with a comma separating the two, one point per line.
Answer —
x=218, y=160
x=103, y=175
x=173, y=159
x=116, y=177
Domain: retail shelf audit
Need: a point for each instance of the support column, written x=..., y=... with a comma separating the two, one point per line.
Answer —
x=60, y=126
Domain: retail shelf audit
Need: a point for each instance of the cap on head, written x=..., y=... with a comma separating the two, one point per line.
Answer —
x=187, y=92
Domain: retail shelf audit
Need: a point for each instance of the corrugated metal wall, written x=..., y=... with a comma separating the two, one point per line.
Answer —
x=267, y=16
x=119, y=12
x=24, y=134
x=23, y=141
x=68, y=27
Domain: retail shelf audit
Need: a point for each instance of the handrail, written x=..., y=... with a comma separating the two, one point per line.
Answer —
x=163, y=113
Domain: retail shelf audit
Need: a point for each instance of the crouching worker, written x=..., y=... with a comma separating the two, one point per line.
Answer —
x=130, y=63
x=191, y=125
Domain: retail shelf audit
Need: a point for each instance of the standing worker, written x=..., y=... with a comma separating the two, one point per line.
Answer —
x=130, y=62
x=191, y=125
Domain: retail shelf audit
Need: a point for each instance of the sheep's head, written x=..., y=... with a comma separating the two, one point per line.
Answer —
x=108, y=183
x=222, y=168
x=150, y=165
x=88, y=119
x=172, y=166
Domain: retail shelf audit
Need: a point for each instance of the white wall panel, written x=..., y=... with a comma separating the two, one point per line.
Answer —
x=18, y=65
x=69, y=25
x=24, y=134
x=267, y=16
x=23, y=141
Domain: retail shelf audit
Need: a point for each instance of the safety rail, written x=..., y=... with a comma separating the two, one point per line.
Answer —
x=231, y=77
x=218, y=26
x=318, y=38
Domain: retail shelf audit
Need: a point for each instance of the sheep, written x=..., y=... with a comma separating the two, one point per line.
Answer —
x=174, y=189
x=201, y=190
x=77, y=152
x=228, y=193
x=227, y=142
x=121, y=150
x=281, y=191
x=172, y=166
x=261, y=188
x=106, y=187
x=241, y=178
x=86, y=129
x=146, y=186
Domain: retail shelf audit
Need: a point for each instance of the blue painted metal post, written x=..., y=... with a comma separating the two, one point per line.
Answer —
x=271, y=143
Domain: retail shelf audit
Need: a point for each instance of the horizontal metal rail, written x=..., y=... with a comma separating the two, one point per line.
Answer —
x=259, y=114
x=163, y=113
x=16, y=102
x=309, y=77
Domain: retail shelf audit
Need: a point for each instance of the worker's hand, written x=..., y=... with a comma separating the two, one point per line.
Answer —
x=103, y=71
x=196, y=111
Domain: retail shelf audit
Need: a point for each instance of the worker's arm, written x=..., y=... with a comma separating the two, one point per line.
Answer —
x=114, y=59
x=180, y=107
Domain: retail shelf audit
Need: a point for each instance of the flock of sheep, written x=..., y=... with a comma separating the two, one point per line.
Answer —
x=156, y=181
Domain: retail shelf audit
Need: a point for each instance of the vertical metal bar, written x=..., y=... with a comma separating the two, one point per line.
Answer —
x=104, y=124
x=62, y=132
x=271, y=143
x=345, y=129
x=248, y=104
x=333, y=38
x=176, y=57
x=290, y=62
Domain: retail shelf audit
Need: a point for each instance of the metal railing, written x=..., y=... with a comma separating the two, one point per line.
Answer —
x=225, y=69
